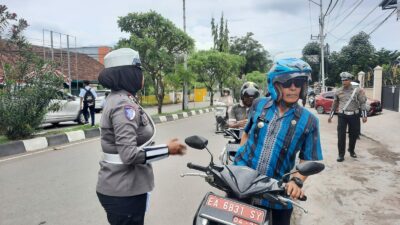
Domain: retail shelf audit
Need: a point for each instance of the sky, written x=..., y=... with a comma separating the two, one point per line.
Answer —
x=283, y=27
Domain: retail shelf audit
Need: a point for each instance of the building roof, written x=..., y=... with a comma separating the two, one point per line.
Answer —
x=82, y=67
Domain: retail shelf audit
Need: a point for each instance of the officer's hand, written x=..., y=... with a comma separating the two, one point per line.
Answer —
x=364, y=119
x=175, y=147
x=242, y=123
x=293, y=190
x=330, y=120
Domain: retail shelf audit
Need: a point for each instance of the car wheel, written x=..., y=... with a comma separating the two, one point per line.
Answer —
x=320, y=109
x=81, y=118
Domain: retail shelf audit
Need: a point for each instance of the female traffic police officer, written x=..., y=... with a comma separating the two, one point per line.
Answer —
x=278, y=129
x=126, y=176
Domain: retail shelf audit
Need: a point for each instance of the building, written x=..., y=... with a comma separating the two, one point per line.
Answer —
x=81, y=66
x=96, y=52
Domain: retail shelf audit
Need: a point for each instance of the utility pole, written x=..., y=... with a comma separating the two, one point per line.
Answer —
x=184, y=92
x=321, y=38
x=52, y=47
x=69, y=65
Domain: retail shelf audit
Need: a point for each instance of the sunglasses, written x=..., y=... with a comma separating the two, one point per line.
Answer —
x=345, y=79
x=298, y=83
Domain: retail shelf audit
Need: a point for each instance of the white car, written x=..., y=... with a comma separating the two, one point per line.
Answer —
x=101, y=94
x=70, y=110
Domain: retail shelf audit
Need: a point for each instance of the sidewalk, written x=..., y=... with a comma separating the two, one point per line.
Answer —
x=384, y=128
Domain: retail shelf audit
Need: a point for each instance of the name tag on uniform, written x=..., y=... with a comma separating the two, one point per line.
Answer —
x=129, y=112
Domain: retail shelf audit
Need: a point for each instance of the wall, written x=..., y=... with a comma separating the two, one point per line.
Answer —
x=369, y=92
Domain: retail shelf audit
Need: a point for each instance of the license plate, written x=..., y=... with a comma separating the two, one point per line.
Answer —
x=240, y=221
x=244, y=214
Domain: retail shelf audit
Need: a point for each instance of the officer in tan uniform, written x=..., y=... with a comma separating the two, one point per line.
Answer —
x=127, y=132
x=349, y=101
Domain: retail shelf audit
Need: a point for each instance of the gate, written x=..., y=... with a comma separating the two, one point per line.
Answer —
x=390, y=98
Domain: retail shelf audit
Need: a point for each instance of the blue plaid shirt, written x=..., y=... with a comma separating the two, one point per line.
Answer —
x=279, y=140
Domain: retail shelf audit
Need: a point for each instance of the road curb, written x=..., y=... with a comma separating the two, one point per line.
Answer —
x=57, y=139
x=34, y=144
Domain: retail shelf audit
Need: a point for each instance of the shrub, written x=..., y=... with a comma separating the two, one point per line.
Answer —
x=29, y=84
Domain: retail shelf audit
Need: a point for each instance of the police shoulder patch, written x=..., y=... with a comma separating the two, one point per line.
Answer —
x=129, y=112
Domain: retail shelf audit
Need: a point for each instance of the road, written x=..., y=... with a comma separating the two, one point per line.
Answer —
x=58, y=187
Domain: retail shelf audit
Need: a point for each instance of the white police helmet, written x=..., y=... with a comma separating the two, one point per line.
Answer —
x=346, y=76
x=122, y=57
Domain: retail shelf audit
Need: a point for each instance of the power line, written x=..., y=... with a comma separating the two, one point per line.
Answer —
x=309, y=10
x=380, y=24
x=374, y=20
x=352, y=29
x=334, y=5
x=328, y=13
x=338, y=12
x=327, y=9
x=359, y=3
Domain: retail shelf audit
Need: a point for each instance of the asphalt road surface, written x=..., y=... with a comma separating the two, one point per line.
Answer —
x=58, y=187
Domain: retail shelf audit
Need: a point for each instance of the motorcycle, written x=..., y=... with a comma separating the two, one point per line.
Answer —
x=221, y=115
x=311, y=101
x=241, y=184
x=229, y=151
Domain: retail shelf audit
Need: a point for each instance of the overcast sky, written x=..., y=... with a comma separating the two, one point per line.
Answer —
x=283, y=27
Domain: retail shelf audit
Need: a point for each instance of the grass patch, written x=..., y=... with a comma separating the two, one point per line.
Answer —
x=3, y=139
x=61, y=131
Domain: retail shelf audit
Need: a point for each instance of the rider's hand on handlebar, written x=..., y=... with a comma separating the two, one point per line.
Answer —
x=175, y=147
x=293, y=190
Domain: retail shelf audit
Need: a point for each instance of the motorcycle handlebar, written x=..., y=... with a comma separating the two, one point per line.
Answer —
x=304, y=198
x=196, y=167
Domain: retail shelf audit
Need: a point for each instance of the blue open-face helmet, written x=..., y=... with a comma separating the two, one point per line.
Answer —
x=285, y=69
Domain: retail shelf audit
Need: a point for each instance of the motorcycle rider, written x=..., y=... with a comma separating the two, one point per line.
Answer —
x=226, y=98
x=278, y=129
x=126, y=175
x=237, y=116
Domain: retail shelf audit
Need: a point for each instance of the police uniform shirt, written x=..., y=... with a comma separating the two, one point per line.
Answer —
x=272, y=149
x=119, y=135
x=238, y=112
x=342, y=95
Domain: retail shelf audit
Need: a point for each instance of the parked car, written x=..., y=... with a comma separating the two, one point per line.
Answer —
x=101, y=94
x=324, y=101
x=70, y=110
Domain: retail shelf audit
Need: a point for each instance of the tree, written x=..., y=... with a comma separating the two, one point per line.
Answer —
x=220, y=35
x=158, y=42
x=256, y=57
x=212, y=67
x=29, y=83
x=257, y=77
x=359, y=53
x=175, y=79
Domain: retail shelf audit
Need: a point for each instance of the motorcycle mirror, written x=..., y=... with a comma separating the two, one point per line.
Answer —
x=220, y=120
x=310, y=168
x=196, y=142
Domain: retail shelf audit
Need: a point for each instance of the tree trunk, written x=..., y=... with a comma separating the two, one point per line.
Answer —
x=211, y=98
x=160, y=94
